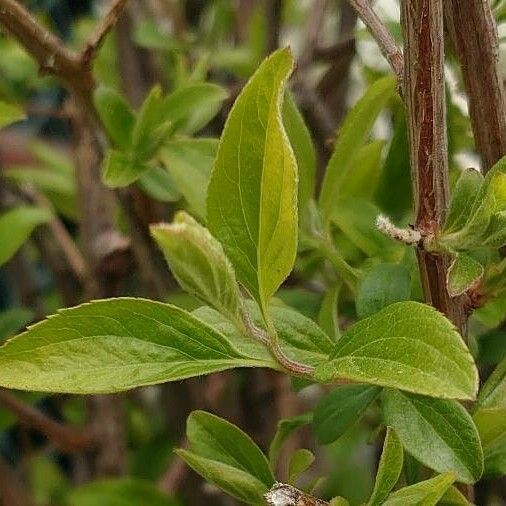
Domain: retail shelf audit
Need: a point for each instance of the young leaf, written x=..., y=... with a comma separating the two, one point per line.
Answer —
x=199, y=264
x=189, y=162
x=119, y=492
x=303, y=147
x=425, y=493
x=10, y=113
x=389, y=470
x=383, y=285
x=213, y=437
x=385, y=349
x=120, y=169
x=252, y=195
x=159, y=185
x=113, y=345
x=439, y=433
x=16, y=225
x=299, y=463
x=235, y=482
x=285, y=429
x=495, y=235
x=464, y=272
x=463, y=197
x=116, y=115
x=352, y=135
x=341, y=409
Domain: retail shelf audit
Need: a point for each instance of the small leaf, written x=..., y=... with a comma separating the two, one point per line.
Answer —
x=12, y=320
x=327, y=316
x=453, y=497
x=303, y=148
x=213, y=437
x=199, y=264
x=235, y=482
x=121, y=170
x=116, y=115
x=191, y=107
x=46, y=180
x=424, y=493
x=383, y=285
x=341, y=409
x=493, y=392
x=189, y=162
x=285, y=429
x=464, y=272
x=352, y=135
x=159, y=185
x=495, y=236
x=16, y=225
x=113, y=345
x=10, y=113
x=299, y=463
x=463, y=197
x=385, y=349
x=439, y=433
x=252, y=195
x=389, y=470
x=119, y=492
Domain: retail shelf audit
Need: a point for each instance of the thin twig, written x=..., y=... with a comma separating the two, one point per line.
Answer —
x=97, y=38
x=65, y=438
x=383, y=37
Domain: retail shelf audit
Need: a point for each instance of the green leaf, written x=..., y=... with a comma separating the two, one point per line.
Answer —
x=327, y=315
x=45, y=180
x=463, y=197
x=116, y=115
x=493, y=392
x=12, y=320
x=191, y=107
x=439, y=433
x=463, y=273
x=159, y=185
x=235, y=482
x=303, y=148
x=453, y=497
x=199, y=264
x=284, y=430
x=385, y=349
x=299, y=463
x=299, y=337
x=121, y=170
x=389, y=470
x=119, y=492
x=252, y=195
x=10, y=113
x=383, y=285
x=113, y=345
x=352, y=135
x=189, y=162
x=365, y=172
x=425, y=493
x=213, y=437
x=341, y=409
x=16, y=225
x=495, y=235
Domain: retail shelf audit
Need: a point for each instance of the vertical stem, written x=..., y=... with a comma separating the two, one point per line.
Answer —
x=422, y=23
x=473, y=33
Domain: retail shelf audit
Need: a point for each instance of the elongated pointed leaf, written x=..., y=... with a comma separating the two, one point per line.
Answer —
x=213, y=437
x=252, y=195
x=425, y=493
x=299, y=463
x=386, y=349
x=199, y=264
x=120, y=169
x=159, y=185
x=341, y=409
x=464, y=272
x=493, y=392
x=352, y=135
x=16, y=225
x=439, y=433
x=389, y=470
x=113, y=345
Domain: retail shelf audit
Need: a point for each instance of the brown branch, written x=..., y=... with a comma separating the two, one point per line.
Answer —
x=384, y=39
x=97, y=38
x=473, y=33
x=286, y=495
x=422, y=23
x=65, y=438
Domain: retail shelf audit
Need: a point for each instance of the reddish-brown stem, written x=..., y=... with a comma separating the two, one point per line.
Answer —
x=63, y=437
x=424, y=91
